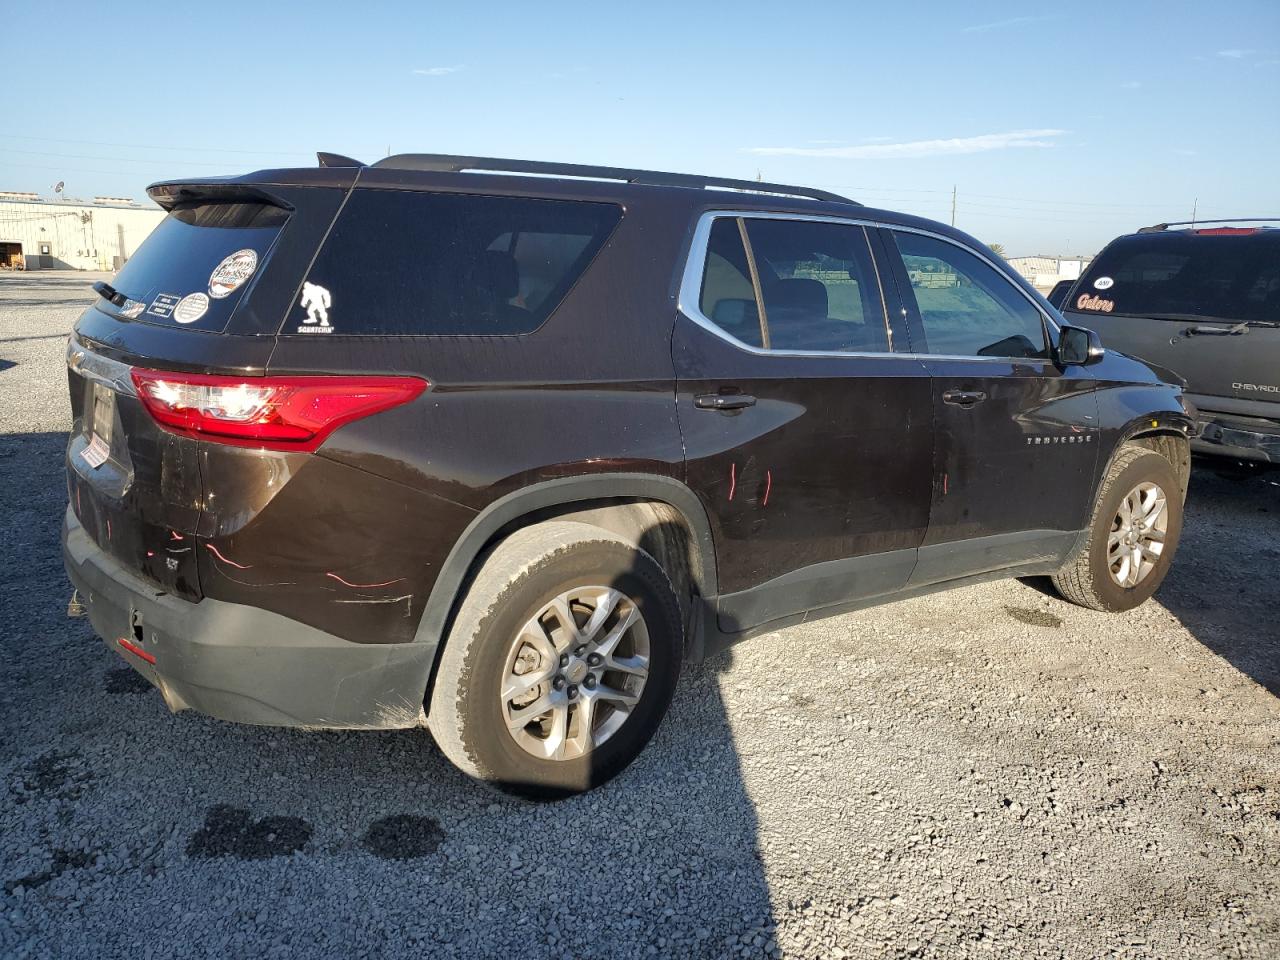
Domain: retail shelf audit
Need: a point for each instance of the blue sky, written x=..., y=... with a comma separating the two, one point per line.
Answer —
x=1060, y=127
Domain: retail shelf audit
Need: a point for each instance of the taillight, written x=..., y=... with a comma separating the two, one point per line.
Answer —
x=278, y=413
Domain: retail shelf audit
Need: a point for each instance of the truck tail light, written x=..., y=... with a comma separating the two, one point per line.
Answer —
x=276, y=413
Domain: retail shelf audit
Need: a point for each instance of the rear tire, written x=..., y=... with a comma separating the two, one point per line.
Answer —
x=1117, y=568
x=510, y=633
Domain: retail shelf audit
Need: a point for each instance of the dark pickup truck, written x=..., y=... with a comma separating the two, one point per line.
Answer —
x=1204, y=301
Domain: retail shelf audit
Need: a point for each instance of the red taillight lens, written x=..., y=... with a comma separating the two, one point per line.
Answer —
x=279, y=413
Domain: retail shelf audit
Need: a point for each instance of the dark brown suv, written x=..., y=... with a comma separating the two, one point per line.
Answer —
x=493, y=446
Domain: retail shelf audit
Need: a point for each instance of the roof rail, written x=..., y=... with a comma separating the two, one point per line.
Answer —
x=1156, y=228
x=449, y=163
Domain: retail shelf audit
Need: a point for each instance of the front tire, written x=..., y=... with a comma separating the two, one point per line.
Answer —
x=560, y=663
x=1133, y=536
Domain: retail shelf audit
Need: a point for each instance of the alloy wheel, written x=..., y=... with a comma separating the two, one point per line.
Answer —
x=574, y=672
x=1137, y=535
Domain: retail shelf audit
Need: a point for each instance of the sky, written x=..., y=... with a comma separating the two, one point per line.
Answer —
x=1058, y=126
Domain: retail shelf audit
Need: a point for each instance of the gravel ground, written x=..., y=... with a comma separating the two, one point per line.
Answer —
x=988, y=772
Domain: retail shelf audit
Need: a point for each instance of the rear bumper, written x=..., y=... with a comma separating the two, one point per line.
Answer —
x=242, y=663
x=1243, y=438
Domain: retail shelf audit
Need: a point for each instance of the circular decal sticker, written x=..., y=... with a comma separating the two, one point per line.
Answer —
x=231, y=273
x=191, y=308
x=1103, y=283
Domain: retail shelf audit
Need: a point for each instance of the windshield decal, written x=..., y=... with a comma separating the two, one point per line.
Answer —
x=232, y=272
x=1089, y=302
x=1103, y=283
x=162, y=306
x=191, y=308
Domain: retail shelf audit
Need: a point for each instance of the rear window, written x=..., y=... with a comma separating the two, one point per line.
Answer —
x=196, y=265
x=1182, y=275
x=403, y=263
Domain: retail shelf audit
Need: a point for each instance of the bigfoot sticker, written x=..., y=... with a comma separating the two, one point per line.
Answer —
x=316, y=301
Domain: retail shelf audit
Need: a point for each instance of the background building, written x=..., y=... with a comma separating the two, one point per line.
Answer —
x=100, y=234
x=1043, y=272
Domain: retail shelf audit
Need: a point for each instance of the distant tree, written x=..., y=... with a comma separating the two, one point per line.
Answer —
x=997, y=249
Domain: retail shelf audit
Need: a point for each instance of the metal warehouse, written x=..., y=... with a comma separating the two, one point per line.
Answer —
x=37, y=233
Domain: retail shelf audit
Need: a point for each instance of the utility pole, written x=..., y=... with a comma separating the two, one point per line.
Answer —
x=953, y=204
x=1194, y=206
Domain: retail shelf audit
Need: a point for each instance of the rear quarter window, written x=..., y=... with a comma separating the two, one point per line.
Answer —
x=401, y=263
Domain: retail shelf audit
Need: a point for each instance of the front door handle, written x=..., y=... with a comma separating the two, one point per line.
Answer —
x=963, y=398
x=723, y=401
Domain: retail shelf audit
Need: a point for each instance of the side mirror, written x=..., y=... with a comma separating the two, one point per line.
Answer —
x=1079, y=346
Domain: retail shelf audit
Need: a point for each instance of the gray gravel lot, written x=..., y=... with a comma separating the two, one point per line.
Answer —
x=988, y=772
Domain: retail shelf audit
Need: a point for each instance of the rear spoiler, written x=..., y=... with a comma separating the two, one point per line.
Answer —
x=170, y=195
x=259, y=186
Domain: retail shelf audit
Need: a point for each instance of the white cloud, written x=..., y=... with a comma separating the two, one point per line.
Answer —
x=1234, y=54
x=436, y=71
x=920, y=148
x=1131, y=84
x=1012, y=22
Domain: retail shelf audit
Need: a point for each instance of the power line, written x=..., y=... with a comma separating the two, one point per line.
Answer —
x=991, y=196
x=85, y=156
x=154, y=146
x=61, y=169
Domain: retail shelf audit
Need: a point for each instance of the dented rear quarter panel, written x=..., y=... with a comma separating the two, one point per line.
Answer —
x=321, y=542
x=386, y=498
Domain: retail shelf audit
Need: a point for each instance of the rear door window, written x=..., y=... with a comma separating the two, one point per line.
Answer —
x=818, y=286
x=1182, y=275
x=401, y=263
x=195, y=266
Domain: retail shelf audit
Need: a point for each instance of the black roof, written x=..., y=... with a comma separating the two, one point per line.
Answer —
x=538, y=178
x=453, y=163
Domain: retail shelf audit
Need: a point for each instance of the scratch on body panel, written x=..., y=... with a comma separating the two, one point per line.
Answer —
x=239, y=566
x=363, y=586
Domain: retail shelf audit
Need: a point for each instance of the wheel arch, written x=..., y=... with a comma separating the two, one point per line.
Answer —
x=659, y=514
x=1172, y=444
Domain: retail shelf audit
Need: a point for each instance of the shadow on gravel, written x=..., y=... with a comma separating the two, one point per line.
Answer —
x=373, y=834
x=1225, y=578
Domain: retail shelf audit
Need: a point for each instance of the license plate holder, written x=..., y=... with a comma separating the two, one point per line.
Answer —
x=98, y=449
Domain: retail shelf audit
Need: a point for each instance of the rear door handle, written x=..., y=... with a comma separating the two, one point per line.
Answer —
x=723, y=401
x=963, y=398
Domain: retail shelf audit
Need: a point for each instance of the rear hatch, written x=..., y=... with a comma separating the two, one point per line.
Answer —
x=204, y=294
x=1204, y=303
